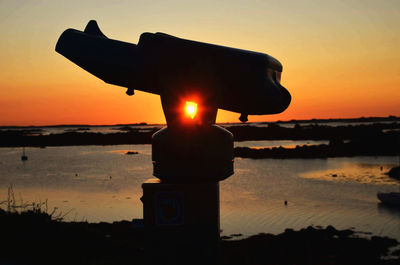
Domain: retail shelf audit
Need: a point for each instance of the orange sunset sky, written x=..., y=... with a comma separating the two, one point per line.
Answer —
x=340, y=59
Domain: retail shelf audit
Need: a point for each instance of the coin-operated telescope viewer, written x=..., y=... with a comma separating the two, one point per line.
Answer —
x=192, y=154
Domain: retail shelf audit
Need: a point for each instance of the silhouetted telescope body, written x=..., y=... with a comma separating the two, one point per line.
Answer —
x=192, y=154
x=207, y=76
x=181, y=70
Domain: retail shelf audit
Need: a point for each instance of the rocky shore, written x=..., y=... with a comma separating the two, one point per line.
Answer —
x=35, y=237
x=379, y=146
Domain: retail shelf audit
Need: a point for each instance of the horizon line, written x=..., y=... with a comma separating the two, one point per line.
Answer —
x=362, y=118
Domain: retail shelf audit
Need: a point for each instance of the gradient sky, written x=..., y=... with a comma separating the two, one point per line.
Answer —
x=340, y=59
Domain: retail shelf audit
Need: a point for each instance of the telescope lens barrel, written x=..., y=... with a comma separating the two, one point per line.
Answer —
x=113, y=61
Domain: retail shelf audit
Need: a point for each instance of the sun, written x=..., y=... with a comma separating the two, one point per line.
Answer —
x=191, y=109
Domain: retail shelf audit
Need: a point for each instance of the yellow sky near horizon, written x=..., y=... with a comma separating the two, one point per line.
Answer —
x=340, y=59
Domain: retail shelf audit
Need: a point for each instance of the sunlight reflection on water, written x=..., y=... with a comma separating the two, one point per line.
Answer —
x=278, y=143
x=354, y=171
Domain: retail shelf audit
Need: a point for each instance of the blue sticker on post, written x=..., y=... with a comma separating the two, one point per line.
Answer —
x=169, y=208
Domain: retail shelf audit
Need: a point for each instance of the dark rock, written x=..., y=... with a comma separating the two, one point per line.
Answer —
x=131, y=153
x=32, y=237
x=394, y=172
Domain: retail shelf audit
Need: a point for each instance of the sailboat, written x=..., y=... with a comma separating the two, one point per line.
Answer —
x=24, y=157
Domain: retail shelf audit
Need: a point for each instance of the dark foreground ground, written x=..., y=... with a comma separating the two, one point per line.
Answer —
x=34, y=237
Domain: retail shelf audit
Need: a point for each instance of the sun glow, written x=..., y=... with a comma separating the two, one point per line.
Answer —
x=191, y=109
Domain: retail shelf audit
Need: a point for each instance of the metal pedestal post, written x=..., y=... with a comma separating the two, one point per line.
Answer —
x=181, y=207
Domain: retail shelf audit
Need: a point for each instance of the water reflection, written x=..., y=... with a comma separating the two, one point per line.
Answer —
x=100, y=184
x=393, y=211
x=278, y=143
x=361, y=172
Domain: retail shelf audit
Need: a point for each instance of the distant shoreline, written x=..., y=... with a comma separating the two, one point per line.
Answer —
x=376, y=139
x=390, y=118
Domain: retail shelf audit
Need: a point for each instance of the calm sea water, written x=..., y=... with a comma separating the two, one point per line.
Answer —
x=101, y=183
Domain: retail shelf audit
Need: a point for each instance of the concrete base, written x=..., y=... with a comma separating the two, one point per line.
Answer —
x=181, y=222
